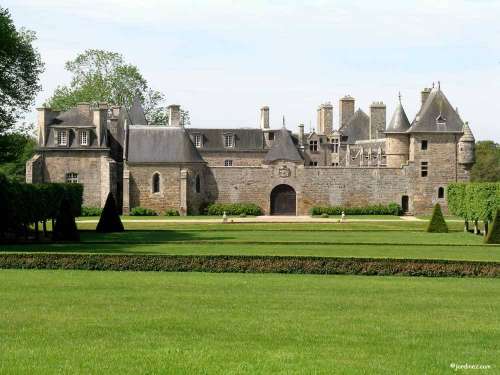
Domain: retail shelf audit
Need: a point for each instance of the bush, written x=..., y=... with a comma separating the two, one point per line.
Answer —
x=493, y=235
x=91, y=211
x=378, y=209
x=110, y=220
x=171, y=212
x=65, y=227
x=325, y=215
x=243, y=215
x=142, y=211
x=437, y=223
x=218, y=209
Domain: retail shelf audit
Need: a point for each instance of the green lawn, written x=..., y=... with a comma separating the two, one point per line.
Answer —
x=134, y=322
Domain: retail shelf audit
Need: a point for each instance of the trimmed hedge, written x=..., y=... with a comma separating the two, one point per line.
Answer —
x=437, y=223
x=377, y=209
x=252, y=264
x=218, y=209
x=474, y=201
x=142, y=211
x=91, y=211
x=172, y=212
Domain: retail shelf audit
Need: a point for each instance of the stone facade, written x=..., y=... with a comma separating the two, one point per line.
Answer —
x=407, y=163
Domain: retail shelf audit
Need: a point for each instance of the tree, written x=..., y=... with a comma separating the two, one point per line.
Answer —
x=109, y=220
x=16, y=148
x=493, y=235
x=437, y=223
x=103, y=76
x=487, y=166
x=20, y=68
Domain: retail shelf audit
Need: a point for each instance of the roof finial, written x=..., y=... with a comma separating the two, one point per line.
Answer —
x=284, y=121
x=399, y=97
x=432, y=84
x=439, y=85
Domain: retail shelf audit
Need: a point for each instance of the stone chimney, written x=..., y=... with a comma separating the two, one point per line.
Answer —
x=424, y=94
x=83, y=108
x=264, y=118
x=377, y=120
x=174, y=115
x=325, y=119
x=301, y=135
x=346, y=109
x=100, y=118
x=45, y=116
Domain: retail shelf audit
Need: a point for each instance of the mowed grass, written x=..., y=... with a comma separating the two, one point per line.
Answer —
x=367, y=239
x=134, y=322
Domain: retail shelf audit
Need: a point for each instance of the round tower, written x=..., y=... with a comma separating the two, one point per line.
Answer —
x=466, y=146
x=397, y=144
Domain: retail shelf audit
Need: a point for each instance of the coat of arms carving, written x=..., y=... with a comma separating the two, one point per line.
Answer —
x=284, y=171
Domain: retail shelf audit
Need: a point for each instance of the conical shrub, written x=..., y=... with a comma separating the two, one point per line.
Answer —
x=437, y=223
x=65, y=226
x=493, y=235
x=110, y=220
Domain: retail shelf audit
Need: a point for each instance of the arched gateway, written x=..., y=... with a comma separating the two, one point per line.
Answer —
x=283, y=200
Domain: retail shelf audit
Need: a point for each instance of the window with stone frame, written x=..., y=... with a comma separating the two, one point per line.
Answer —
x=313, y=146
x=335, y=145
x=424, y=169
x=270, y=136
x=441, y=192
x=72, y=178
x=155, y=183
x=228, y=163
x=84, y=137
x=423, y=145
x=313, y=163
x=198, y=140
x=62, y=138
x=228, y=140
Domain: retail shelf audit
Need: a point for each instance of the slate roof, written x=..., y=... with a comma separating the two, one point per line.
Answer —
x=283, y=149
x=399, y=121
x=467, y=136
x=437, y=115
x=72, y=118
x=244, y=139
x=357, y=127
x=160, y=144
x=136, y=114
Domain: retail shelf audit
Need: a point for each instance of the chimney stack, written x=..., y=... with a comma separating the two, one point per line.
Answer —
x=346, y=109
x=325, y=119
x=264, y=118
x=377, y=120
x=174, y=115
x=425, y=94
x=301, y=135
x=100, y=119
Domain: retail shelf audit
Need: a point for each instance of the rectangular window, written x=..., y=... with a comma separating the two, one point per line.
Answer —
x=62, y=137
x=423, y=145
x=72, y=178
x=424, y=169
x=270, y=136
x=335, y=164
x=228, y=140
x=228, y=163
x=313, y=146
x=313, y=163
x=335, y=143
x=197, y=140
x=84, y=138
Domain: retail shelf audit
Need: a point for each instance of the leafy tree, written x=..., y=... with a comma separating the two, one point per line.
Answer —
x=493, y=235
x=16, y=148
x=110, y=220
x=437, y=223
x=487, y=166
x=104, y=76
x=20, y=67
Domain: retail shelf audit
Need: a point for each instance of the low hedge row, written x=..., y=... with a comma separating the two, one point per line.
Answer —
x=377, y=209
x=252, y=264
x=91, y=211
x=218, y=209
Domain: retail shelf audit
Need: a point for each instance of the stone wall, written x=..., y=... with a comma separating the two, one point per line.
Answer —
x=238, y=158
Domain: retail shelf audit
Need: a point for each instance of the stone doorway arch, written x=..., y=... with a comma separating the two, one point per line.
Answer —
x=283, y=200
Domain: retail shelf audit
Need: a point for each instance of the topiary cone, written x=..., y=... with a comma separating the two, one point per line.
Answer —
x=65, y=226
x=437, y=223
x=493, y=235
x=110, y=220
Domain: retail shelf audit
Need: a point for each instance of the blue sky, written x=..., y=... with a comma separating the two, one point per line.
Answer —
x=223, y=60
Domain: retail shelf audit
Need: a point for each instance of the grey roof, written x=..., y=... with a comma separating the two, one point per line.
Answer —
x=244, y=139
x=136, y=114
x=160, y=144
x=467, y=136
x=357, y=127
x=73, y=117
x=437, y=115
x=283, y=149
x=399, y=122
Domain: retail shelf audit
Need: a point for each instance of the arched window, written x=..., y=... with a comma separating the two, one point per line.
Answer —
x=156, y=183
x=197, y=183
x=441, y=192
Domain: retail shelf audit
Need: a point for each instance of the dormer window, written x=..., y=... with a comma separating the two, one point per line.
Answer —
x=270, y=136
x=441, y=120
x=313, y=146
x=228, y=140
x=198, y=140
x=84, y=138
x=62, y=138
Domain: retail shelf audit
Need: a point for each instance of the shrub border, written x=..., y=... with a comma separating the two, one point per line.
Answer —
x=252, y=264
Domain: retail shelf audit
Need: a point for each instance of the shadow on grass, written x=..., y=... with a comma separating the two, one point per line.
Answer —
x=147, y=236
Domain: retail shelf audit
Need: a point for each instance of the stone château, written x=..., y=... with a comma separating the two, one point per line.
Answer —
x=363, y=161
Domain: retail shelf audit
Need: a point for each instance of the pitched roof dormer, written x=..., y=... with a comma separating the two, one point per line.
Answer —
x=283, y=149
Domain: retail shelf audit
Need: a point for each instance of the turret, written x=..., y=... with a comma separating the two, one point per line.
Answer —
x=397, y=145
x=466, y=146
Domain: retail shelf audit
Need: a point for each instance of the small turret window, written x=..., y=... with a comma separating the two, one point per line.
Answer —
x=424, y=169
x=423, y=145
x=441, y=192
x=156, y=183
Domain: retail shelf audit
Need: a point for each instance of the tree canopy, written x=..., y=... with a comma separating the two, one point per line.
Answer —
x=104, y=76
x=20, y=68
x=487, y=166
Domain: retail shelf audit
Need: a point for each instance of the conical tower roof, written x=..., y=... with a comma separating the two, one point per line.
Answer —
x=283, y=149
x=467, y=136
x=399, y=121
x=136, y=113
